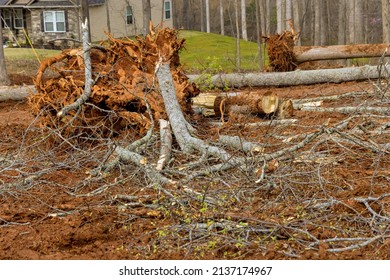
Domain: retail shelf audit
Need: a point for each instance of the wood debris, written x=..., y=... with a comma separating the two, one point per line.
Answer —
x=124, y=82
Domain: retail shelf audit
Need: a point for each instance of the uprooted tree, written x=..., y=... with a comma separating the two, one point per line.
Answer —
x=137, y=86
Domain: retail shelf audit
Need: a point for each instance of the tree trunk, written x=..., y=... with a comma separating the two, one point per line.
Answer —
x=238, y=50
x=317, y=22
x=246, y=103
x=297, y=19
x=243, y=20
x=385, y=21
x=342, y=23
x=186, y=15
x=351, y=21
x=202, y=15
x=359, y=22
x=4, y=79
x=108, y=16
x=303, y=54
x=279, y=17
x=147, y=16
x=268, y=16
x=221, y=12
x=288, y=11
x=208, y=16
x=259, y=35
x=309, y=77
x=85, y=15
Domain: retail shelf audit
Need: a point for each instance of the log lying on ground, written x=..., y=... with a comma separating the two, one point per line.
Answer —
x=16, y=93
x=313, y=53
x=308, y=77
x=245, y=103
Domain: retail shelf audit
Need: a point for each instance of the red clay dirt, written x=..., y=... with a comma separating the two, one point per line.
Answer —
x=51, y=208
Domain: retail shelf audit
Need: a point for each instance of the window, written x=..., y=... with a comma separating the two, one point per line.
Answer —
x=18, y=19
x=167, y=9
x=7, y=22
x=54, y=21
x=129, y=15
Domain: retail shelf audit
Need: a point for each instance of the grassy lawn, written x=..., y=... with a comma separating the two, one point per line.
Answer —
x=203, y=53
x=28, y=54
x=210, y=53
x=23, y=63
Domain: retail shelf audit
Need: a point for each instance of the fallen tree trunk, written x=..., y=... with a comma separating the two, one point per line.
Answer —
x=313, y=53
x=16, y=93
x=246, y=103
x=237, y=80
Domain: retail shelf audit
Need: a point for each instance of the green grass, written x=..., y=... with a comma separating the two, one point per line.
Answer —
x=203, y=53
x=28, y=53
x=211, y=53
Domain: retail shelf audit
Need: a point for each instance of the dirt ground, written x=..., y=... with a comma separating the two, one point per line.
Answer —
x=328, y=200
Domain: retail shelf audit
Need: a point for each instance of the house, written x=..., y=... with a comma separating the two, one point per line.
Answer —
x=50, y=22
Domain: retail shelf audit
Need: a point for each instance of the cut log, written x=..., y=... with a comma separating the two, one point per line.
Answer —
x=308, y=77
x=246, y=103
x=285, y=109
x=313, y=53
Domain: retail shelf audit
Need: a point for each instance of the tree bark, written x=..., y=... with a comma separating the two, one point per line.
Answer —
x=317, y=22
x=85, y=15
x=4, y=79
x=385, y=21
x=221, y=13
x=359, y=22
x=297, y=6
x=246, y=103
x=342, y=23
x=179, y=125
x=304, y=54
x=208, y=16
x=279, y=16
x=259, y=35
x=309, y=77
x=238, y=51
x=147, y=15
x=351, y=21
x=243, y=20
x=88, y=73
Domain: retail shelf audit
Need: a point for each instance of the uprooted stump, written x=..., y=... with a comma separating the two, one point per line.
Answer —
x=123, y=72
x=280, y=49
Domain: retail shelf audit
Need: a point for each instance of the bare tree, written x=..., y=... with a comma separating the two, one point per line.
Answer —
x=317, y=22
x=258, y=29
x=202, y=15
x=4, y=79
x=351, y=22
x=238, y=50
x=208, y=16
x=85, y=15
x=243, y=20
x=147, y=15
x=297, y=19
x=221, y=12
x=289, y=9
x=341, y=22
x=359, y=22
x=279, y=16
x=385, y=21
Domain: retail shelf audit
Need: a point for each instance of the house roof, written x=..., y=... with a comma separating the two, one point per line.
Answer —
x=46, y=3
